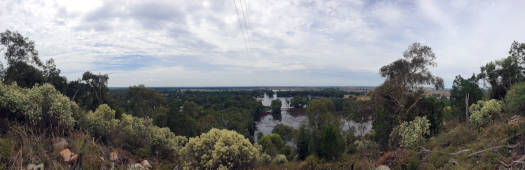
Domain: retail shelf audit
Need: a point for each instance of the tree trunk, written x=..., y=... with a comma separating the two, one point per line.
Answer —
x=466, y=110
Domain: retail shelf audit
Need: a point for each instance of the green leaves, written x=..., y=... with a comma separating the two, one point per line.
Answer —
x=412, y=133
x=515, y=99
x=484, y=112
x=219, y=148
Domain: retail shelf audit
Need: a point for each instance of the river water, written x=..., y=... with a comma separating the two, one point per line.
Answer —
x=266, y=123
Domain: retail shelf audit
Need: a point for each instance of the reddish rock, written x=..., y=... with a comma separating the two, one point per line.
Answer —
x=146, y=164
x=59, y=144
x=113, y=156
x=66, y=155
x=74, y=158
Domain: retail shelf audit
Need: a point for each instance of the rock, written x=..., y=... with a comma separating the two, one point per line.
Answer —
x=382, y=167
x=59, y=144
x=113, y=156
x=74, y=158
x=66, y=155
x=136, y=166
x=145, y=164
x=35, y=167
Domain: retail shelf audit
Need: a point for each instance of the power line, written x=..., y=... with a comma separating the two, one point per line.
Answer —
x=241, y=25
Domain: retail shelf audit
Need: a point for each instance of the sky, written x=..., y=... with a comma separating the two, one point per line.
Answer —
x=262, y=42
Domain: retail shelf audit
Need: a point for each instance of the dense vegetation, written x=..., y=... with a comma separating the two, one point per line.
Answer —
x=214, y=129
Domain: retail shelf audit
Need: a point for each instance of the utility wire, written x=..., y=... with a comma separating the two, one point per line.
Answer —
x=241, y=25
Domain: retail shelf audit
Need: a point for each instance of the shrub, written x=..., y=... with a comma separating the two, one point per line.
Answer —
x=280, y=159
x=412, y=133
x=41, y=105
x=515, y=99
x=219, y=148
x=271, y=144
x=484, y=112
x=101, y=122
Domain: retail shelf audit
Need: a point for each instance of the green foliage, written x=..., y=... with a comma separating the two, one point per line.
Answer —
x=271, y=144
x=24, y=75
x=383, y=125
x=332, y=143
x=304, y=142
x=219, y=148
x=6, y=150
x=144, y=102
x=42, y=106
x=298, y=102
x=276, y=106
x=460, y=88
x=100, y=123
x=286, y=132
x=484, y=112
x=501, y=74
x=320, y=113
x=515, y=99
x=412, y=133
x=279, y=159
x=365, y=145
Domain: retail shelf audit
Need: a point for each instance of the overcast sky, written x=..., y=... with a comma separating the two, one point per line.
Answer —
x=262, y=42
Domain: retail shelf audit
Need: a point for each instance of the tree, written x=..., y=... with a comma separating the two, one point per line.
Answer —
x=319, y=113
x=147, y=103
x=298, y=102
x=286, y=132
x=501, y=74
x=19, y=48
x=276, y=107
x=332, y=144
x=463, y=87
x=402, y=89
x=24, y=75
x=515, y=99
x=219, y=149
x=304, y=143
x=90, y=91
x=272, y=144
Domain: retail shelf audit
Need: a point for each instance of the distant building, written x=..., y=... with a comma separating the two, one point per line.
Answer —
x=437, y=93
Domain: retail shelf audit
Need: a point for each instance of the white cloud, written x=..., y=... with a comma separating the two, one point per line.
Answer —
x=285, y=42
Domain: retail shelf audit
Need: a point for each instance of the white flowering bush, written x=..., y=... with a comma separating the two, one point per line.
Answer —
x=484, y=112
x=412, y=133
x=220, y=148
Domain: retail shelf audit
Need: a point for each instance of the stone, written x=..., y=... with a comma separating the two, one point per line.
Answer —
x=113, y=156
x=59, y=144
x=74, y=158
x=35, y=167
x=136, y=166
x=66, y=155
x=146, y=164
x=382, y=167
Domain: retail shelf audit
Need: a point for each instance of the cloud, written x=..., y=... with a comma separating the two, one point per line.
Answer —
x=275, y=42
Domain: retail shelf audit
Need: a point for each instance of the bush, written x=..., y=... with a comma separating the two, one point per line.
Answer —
x=42, y=106
x=219, y=148
x=484, y=112
x=280, y=159
x=412, y=133
x=515, y=99
x=100, y=123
